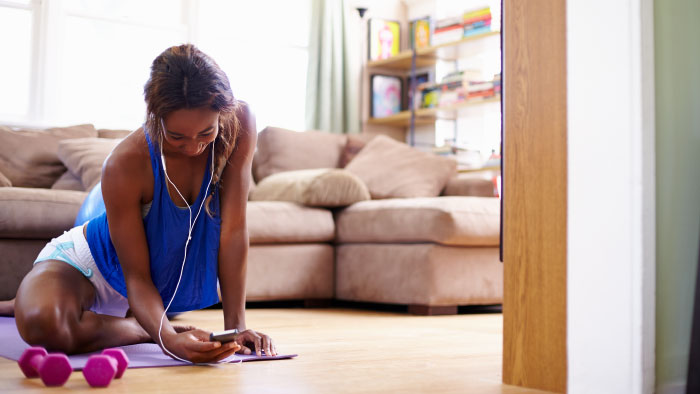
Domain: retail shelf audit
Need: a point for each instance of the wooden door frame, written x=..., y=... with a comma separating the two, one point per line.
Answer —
x=607, y=273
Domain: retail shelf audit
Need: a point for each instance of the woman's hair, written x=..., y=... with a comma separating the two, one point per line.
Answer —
x=185, y=77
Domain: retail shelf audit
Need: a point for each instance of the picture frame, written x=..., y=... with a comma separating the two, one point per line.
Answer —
x=420, y=32
x=384, y=38
x=386, y=95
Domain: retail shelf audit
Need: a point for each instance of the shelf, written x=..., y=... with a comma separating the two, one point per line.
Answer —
x=427, y=116
x=480, y=169
x=425, y=57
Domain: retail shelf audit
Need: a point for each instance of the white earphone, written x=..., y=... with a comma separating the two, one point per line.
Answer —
x=189, y=232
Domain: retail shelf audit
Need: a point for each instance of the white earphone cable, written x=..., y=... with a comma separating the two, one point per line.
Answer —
x=189, y=237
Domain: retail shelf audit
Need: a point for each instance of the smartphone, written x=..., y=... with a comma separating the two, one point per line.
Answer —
x=224, y=336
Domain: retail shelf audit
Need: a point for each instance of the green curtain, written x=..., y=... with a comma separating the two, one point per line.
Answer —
x=332, y=79
x=677, y=89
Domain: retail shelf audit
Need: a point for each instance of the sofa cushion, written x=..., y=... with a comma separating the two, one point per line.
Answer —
x=419, y=274
x=4, y=182
x=272, y=222
x=112, y=133
x=392, y=169
x=322, y=187
x=84, y=157
x=460, y=221
x=37, y=213
x=479, y=184
x=286, y=150
x=28, y=157
x=292, y=272
x=68, y=181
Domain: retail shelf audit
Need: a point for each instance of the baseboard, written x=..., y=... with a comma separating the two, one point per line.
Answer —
x=677, y=387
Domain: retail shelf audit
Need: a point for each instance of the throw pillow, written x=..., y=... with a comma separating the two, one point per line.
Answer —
x=68, y=181
x=84, y=157
x=28, y=157
x=286, y=150
x=392, y=169
x=353, y=147
x=4, y=182
x=321, y=187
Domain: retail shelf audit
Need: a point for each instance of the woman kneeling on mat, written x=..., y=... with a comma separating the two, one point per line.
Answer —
x=175, y=193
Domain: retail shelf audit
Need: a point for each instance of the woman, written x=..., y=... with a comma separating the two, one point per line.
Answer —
x=175, y=193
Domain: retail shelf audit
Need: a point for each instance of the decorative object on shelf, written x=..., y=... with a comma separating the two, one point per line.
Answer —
x=384, y=38
x=420, y=33
x=408, y=97
x=386, y=94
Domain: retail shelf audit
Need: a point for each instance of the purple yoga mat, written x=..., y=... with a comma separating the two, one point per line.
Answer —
x=143, y=355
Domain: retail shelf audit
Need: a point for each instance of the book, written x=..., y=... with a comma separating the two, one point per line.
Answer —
x=477, y=24
x=450, y=35
x=442, y=23
x=477, y=19
x=477, y=13
x=478, y=30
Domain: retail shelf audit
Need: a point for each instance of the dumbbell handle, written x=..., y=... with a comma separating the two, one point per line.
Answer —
x=35, y=361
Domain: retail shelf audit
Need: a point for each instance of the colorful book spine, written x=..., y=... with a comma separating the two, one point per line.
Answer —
x=485, y=17
x=478, y=30
x=477, y=13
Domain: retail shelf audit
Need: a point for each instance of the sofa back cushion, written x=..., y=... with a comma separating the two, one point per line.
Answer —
x=68, y=181
x=84, y=157
x=4, y=182
x=392, y=169
x=286, y=150
x=112, y=133
x=28, y=157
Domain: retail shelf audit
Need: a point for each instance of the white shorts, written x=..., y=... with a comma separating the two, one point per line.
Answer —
x=72, y=248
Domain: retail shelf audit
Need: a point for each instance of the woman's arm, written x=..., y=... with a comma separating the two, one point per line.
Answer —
x=233, y=246
x=122, y=188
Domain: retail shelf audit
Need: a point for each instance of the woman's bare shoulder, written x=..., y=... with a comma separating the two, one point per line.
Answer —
x=247, y=134
x=129, y=161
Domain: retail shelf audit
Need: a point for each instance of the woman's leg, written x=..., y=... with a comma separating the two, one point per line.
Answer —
x=52, y=310
x=7, y=308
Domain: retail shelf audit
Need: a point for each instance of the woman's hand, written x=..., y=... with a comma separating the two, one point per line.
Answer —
x=193, y=344
x=251, y=340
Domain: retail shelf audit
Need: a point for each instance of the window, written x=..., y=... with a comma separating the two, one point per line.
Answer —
x=16, y=29
x=107, y=50
x=263, y=46
x=89, y=60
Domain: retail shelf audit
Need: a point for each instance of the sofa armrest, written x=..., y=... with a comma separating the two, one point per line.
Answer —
x=476, y=184
x=33, y=213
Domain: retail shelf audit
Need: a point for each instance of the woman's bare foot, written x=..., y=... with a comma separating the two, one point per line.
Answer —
x=7, y=308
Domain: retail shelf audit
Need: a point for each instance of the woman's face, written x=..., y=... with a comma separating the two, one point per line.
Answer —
x=190, y=131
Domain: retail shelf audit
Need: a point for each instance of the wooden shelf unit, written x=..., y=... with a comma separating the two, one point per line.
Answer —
x=425, y=116
x=426, y=57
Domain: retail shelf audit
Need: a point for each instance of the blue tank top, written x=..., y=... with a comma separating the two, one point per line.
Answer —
x=166, y=228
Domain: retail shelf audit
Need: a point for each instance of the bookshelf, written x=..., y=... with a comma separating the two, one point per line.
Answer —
x=426, y=58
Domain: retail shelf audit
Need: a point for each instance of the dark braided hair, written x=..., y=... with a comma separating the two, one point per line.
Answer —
x=185, y=77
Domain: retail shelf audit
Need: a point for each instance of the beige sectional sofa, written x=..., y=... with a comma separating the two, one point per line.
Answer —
x=431, y=253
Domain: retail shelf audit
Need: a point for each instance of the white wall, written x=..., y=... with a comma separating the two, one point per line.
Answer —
x=610, y=197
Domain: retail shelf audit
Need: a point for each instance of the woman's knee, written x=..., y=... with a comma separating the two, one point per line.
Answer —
x=47, y=326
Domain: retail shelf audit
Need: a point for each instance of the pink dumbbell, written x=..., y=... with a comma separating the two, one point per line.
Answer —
x=101, y=369
x=54, y=369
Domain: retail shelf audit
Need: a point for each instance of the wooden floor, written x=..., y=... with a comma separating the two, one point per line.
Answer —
x=340, y=350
